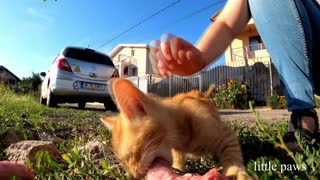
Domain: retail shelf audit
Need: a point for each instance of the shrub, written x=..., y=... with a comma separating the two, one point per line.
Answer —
x=299, y=165
x=233, y=95
x=277, y=102
x=318, y=102
x=29, y=84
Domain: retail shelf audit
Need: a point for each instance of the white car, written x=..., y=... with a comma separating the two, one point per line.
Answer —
x=78, y=75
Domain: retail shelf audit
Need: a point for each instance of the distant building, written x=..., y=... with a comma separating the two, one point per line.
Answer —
x=132, y=59
x=8, y=78
x=247, y=48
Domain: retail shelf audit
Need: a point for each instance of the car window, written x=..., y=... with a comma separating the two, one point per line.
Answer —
x=88, y=55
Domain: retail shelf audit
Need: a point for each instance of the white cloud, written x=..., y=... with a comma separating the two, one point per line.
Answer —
x=39, y=15
x=38, y=20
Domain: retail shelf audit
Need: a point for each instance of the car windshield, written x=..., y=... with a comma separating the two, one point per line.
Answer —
x=88, y=55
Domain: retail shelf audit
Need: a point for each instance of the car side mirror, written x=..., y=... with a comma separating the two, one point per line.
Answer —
x=43, y=74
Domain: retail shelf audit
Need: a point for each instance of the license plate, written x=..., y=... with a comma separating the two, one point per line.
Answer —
x=92, y=86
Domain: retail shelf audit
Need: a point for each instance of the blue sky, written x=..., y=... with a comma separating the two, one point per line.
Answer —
x=32, y=32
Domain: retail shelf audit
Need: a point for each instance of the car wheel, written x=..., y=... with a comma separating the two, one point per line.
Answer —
x=81, y=105
x=51, y=99
x=42, y=100
x=110, y=105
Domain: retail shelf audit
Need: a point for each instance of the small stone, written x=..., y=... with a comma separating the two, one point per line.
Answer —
x=26, y=150
x=9, y=137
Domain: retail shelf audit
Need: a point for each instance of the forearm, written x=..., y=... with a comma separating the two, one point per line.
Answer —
x=229, y=23
x=214, y=41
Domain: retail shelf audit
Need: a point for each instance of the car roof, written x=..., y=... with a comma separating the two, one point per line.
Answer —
x=82, y=48
x=83, y=53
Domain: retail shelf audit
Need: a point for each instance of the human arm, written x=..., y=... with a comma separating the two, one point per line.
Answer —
x=180, y=57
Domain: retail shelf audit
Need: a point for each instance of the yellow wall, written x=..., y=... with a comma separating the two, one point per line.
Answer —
x=238, y=52
x=140, y=59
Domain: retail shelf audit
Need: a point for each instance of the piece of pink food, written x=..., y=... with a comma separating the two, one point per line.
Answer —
x=159, y=171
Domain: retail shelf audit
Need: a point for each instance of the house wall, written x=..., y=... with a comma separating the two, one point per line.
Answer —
x=239, y=51
x=7, y=78
x=140, y=59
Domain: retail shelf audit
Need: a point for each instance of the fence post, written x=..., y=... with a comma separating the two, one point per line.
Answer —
x=148, y=82
x=271, y=80
x=200, y=81
x=170, y=86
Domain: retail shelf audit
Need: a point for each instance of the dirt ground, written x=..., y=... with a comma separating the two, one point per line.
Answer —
x=267, y=114
x=245, y=117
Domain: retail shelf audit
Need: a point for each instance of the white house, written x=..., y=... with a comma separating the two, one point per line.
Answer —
x=132, y=59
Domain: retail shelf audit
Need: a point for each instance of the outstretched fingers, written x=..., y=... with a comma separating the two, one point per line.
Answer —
x=161, y=57
x=166, y=47
x=154, y=48
x=163, y=65
x=12, y=169
x=175, y=55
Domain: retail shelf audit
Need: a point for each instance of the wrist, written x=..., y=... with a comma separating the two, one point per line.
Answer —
x=204, y=62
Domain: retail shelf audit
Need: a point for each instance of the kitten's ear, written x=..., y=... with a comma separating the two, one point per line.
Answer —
x=130, y=100
x=108, y=121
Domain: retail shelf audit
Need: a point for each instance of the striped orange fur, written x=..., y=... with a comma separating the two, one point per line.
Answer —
x=170, y=128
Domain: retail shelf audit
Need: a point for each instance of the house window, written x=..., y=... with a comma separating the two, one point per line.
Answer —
x=134, y=71
x=126, y=71
x=132, y=52
x=12, y=82
x=255, y=43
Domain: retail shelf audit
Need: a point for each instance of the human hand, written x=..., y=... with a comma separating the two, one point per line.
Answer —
x=12, y=169
x=175, y=55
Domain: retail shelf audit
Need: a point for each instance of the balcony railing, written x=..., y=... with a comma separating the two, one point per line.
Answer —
x=255, y=47
x=248, y=52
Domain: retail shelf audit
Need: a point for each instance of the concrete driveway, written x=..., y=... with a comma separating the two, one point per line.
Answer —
x=267, y=114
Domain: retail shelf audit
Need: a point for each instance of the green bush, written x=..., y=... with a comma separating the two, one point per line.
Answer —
x=29, y=84
x=232, y=95
x=318, y=102
x=277, y=102
x=291, y=165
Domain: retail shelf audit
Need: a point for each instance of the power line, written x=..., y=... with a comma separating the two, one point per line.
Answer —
x=139, y=23
x=200, y=10
x=187, y=16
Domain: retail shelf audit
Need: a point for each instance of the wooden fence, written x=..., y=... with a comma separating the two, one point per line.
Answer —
x=261, y=79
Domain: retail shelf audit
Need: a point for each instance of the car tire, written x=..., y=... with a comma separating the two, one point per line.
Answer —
x=110, y=105
x=81, y=105
x=43, y=101
x=51, y=100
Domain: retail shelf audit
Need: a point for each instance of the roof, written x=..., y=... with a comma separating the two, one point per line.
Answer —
x=121, y=46
x=3, y=68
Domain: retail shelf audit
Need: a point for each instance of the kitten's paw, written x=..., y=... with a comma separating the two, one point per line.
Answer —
x=178, y=160
x=237, y=173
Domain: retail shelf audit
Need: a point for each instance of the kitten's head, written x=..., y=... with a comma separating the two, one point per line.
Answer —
x=139, y=135
x=146, y=129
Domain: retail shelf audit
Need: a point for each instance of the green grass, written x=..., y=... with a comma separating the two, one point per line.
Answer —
x=72, y=128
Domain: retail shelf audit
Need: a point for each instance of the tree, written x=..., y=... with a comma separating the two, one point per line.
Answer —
x=31, y=83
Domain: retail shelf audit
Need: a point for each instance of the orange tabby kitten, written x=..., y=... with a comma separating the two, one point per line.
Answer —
x=152, y=131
